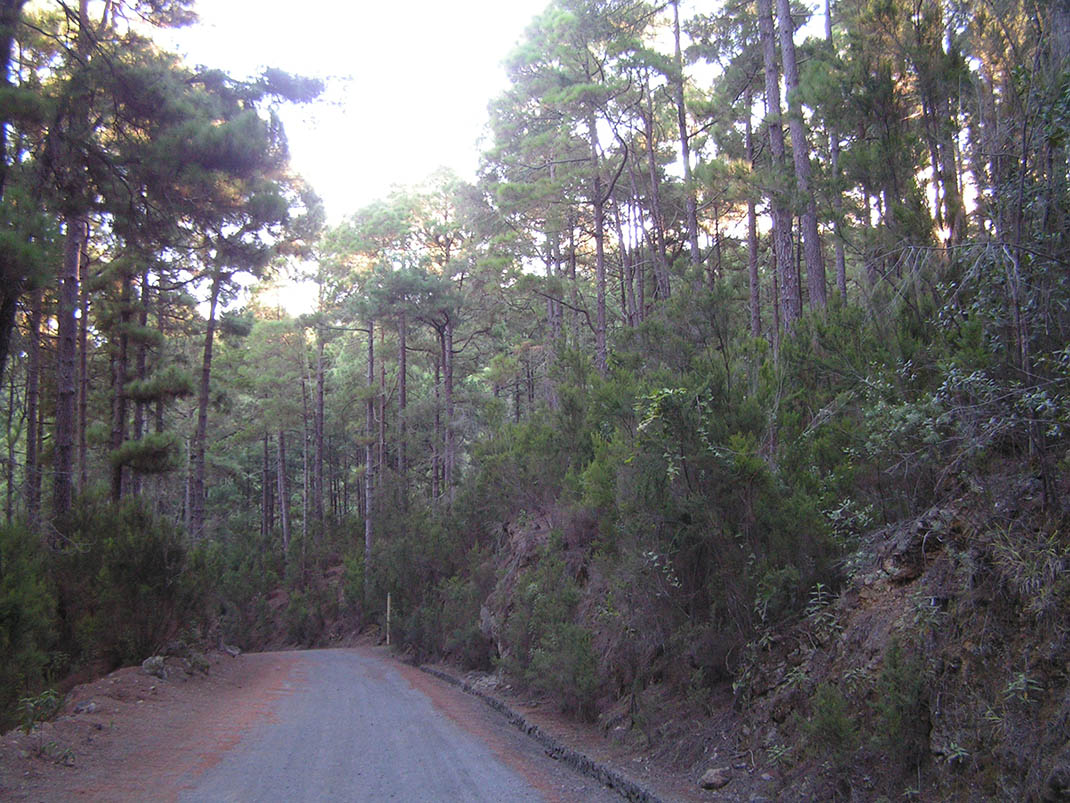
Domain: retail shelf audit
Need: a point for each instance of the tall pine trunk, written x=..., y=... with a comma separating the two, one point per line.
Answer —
x=403, y=402
x=800, y=151
x=781, y=214
x=284, y=494
x=436, y=438
x=267, y=503
x=83, y=370
x=685, y=145
x=317, y=465
x=598, y=203
x=553, y=271
x=9, y=472
x=369, y=455
x=752, y=233
x=661, y=261
x=451, y=456
x=627, y=288
x=118, y=420
x=32, y=467
x=573, y=288
x=10, y=11
x=306, y=440
x=196, y=487
x=77, y=231
x=837, y=195
x=141, y=370
x=66, y=374
x=381, y=462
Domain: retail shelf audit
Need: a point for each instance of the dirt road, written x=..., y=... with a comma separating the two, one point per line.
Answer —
x=339, y=725
x=351, y=726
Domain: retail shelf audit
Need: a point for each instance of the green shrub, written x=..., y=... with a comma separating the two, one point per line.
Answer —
x=38, y=708
x=462, y=638
x=27, y=616
x=564, y=665
x=353, y=581
x=831, y=728
x=544, y=644
x=778, y=593
x=126, y=584
x=303, y=620
x=901, y=708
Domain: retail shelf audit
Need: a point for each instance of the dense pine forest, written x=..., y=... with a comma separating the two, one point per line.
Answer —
x=738, y=376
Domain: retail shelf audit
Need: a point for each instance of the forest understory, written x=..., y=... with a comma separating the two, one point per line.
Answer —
x=725, y=409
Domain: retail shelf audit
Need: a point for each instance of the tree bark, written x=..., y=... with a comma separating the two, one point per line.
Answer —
x=685, y=146
x=306, y=438
x=436, y=438
x=381, y=462
x=599, y=250
x=141, y=371
x=627, y=287
x=573, y=289
x=77, y=231
x=369, y=454
x=66, y=375
x=554, y=270
x=284, y=494
x=118, y=419
x=447, y=363
x=837, y=195
x=10, y=11
x=32, y=468
x=661, y=264
x=752, y=233
x=403, y=401
x=9, y=503
x=83, y=370
x=196, y=503
x=266, y=502
x=800, y=151
x=781, y=214
x=9, y=304
x=317, y=470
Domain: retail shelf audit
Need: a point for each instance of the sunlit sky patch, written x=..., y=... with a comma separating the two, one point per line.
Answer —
x=408, y=87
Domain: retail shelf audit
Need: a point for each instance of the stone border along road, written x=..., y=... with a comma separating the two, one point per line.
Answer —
x=578, y=761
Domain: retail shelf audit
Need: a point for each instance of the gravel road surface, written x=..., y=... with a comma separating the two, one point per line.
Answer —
x=349, y=725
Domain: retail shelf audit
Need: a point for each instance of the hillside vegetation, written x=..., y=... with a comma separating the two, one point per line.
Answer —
x=688, y=410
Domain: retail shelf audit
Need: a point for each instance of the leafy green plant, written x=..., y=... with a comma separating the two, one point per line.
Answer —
x=901, y=707
x=545, y=646
x=819, y=614
x=563, y=664
x=462, y=638
x=128, y=583
x=28, y=627
x=781, y=754
x=1022, y=687
x=776, y=593
x=38, y=708
x=956, y=753
x=55, y=752
x=830, y=727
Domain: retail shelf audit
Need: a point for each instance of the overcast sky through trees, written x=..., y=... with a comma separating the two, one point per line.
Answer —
x=408, y=90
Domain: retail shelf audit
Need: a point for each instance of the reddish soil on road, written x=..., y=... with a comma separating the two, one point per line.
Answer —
x=132, y=736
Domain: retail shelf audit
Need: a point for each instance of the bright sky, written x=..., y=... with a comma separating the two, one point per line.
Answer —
x=411, y=81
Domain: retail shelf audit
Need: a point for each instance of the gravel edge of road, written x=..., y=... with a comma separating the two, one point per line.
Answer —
x=574, y=759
